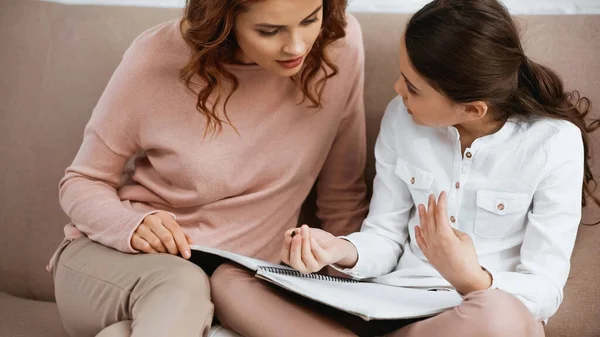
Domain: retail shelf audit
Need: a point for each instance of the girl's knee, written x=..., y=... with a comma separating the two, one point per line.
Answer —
x=228, y=286
x=231, y=271
x=227, y=278
x=496, y=313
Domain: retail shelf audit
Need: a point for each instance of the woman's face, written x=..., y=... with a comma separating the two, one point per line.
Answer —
x=278, y=34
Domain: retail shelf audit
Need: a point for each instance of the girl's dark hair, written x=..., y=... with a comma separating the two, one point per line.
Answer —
x=481, y=42
x=210, y=34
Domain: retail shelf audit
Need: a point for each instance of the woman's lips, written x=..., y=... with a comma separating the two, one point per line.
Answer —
x=291, y=64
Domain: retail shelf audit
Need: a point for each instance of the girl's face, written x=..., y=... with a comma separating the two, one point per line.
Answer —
x=278, y=34
x=426, y=105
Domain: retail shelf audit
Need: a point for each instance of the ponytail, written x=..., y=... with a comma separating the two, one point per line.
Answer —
x=541, y=92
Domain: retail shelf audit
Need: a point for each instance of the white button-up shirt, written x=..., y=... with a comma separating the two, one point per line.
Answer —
x=517, y=193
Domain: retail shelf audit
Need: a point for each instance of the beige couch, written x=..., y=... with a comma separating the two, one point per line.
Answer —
x=54, y=63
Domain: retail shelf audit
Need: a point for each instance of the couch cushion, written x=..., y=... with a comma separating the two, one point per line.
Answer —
x=578, y=315
x=28, y=318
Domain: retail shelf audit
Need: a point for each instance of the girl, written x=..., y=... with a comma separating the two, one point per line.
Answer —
x=494, y=135
x=233, y=112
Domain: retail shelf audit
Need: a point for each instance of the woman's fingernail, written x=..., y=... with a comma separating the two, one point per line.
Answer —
x=293, y=233
x=187, y=254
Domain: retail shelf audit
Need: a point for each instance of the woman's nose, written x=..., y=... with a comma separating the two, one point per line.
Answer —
x=295, y=46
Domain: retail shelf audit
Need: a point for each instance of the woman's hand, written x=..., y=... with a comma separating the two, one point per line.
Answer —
x=450, y=251
x=310, y=249
x=160, y=233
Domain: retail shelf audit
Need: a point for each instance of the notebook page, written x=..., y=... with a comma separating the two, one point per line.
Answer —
x=248, y=262
x=369, y=300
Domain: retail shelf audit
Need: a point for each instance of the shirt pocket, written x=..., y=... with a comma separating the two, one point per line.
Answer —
x=500, y=214
x=418, y=181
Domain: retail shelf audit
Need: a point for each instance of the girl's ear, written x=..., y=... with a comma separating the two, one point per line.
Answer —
x=476, y=110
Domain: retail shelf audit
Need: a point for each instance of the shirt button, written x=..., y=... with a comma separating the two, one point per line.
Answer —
x=412, y=180
x=469, y=155
x=453, y=219
x=457, y=185
x=501, y=207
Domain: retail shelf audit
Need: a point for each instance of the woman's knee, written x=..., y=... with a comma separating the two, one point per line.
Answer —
x=118, y=329
x=179, y=276
x=496, y=313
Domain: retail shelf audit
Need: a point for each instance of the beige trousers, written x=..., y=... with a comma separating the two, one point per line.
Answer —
x=162, y=295
x=254, y=308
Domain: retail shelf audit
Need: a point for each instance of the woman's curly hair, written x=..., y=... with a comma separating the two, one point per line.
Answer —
x=209, y=32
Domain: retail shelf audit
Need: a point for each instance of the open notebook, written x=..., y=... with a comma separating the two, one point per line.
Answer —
x=370, y=301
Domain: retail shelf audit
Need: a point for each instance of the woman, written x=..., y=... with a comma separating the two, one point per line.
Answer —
x=497, y=138
x=232, y=113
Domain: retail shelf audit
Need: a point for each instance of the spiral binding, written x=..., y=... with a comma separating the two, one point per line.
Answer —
x=314, y=276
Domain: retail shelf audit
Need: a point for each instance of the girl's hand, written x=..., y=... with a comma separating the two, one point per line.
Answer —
x=160, y=233
x=310, y=249
x=450, y=251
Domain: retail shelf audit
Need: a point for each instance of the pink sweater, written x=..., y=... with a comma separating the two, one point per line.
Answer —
x=238, y=192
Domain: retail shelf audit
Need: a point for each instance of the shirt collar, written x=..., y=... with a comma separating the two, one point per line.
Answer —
x=497, y=137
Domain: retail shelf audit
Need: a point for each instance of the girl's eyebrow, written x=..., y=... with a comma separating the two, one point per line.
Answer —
x=409, y=82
